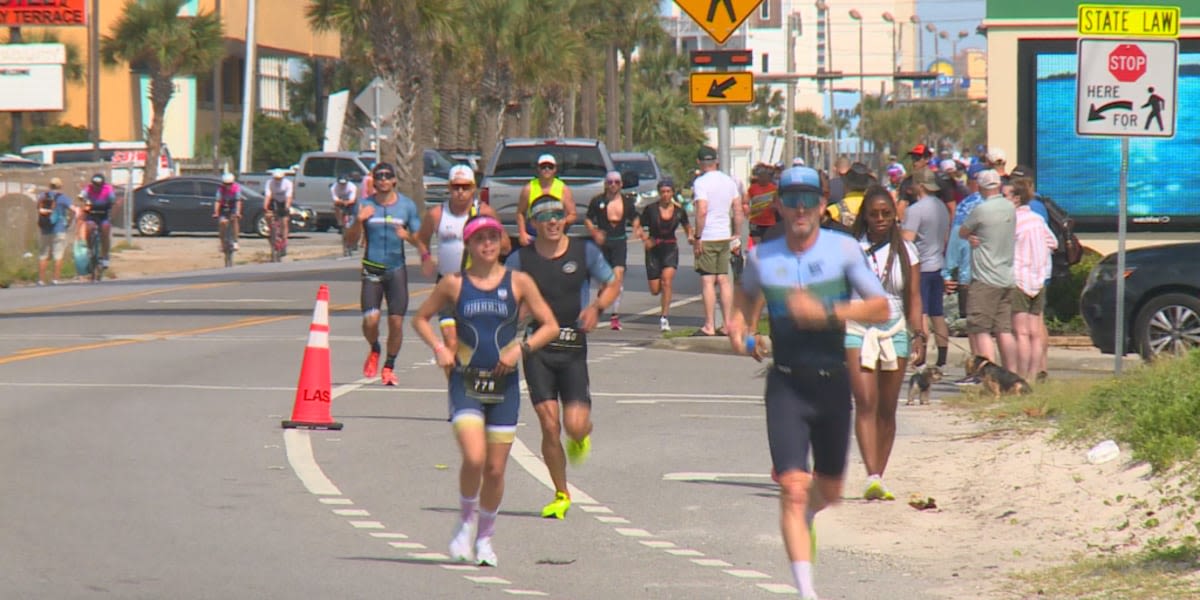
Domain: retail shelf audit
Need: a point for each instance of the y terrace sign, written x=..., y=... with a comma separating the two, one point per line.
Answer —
x=42, y=13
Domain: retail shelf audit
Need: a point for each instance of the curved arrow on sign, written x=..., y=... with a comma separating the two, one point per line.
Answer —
x=1097, y=114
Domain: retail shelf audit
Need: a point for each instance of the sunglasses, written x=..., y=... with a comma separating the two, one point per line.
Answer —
x=385, y=175
x=805, y=199
x=550, y=215
x=617, y=181
x=461, y=187
x=547, y=167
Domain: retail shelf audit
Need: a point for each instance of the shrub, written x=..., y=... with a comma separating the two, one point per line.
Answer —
x=277, y=142
x=1062, y=299
x=57, y=134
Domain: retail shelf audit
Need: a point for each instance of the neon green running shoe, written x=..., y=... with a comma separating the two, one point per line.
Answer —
x=578, y=452
x=876, y=491
x=558, y=508
x=812, y=543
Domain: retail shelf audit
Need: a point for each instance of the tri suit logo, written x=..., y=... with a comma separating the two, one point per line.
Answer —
x=570, y=267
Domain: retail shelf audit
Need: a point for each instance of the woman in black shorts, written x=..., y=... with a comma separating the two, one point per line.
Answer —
x=661, y=220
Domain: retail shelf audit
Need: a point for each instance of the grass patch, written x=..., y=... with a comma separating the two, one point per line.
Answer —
x=1161, y=570
x=764, y=328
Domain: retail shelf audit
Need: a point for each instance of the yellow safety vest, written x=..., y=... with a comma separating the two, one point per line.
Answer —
x=535, y=191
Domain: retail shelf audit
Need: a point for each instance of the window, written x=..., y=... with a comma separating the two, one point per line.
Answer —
x=347, y=167
x=208, y=189
x=643, y=167
x=764, y=11
x=175, y=188
x=319, y=167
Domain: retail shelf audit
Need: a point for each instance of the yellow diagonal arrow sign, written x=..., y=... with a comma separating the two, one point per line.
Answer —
x=735, y=87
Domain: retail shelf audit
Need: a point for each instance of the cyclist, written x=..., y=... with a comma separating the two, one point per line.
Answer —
x=278, y=202
x=447, y=222
x=484, y=389
x=228, y=208
x=99, y=200
x=388, y=219
x=345, y=197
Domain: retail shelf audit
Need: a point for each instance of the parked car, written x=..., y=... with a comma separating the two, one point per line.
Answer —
x=1162, y=300
x=582, y=164
x=465, y=156
x=12, y=161
x=317, y=171
x=648, y=172
x=185, y=204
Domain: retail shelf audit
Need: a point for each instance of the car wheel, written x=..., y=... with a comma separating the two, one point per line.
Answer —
x=151, y=224
x=1168, y=324
x=262, y=226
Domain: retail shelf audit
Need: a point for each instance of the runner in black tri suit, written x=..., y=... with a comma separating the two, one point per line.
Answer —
x=608, y=216
x=660, y=221
x=563, y=268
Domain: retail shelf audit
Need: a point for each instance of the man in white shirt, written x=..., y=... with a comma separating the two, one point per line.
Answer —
x=718, y=221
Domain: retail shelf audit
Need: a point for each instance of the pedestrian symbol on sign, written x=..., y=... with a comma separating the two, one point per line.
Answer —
x=1155, y=104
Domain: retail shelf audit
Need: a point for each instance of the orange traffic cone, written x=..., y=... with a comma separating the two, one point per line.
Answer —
x=313, y=393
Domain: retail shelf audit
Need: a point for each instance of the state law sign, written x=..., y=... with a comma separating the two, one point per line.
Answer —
x=1126, y=88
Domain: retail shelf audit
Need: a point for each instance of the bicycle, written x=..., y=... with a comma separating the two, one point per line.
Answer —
x=278, y=240
x=346, y=221
x=227, y=242
x=95, y=269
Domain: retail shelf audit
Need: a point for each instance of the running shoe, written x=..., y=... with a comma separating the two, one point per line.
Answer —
x=664, y=324
x=460, y=546
x=615, y=323
x=968, y=380
x=235, y=247
x=876, y=491
x=388, y=377
x=484, y=555
x=371, y=367
x=578, y=452
x=557, y=509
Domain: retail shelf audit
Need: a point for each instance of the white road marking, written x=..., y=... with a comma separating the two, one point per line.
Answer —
x=164, y=386
x=711, y=562
x=779, y=588
x=595, y=509
x=222, y=301
x=659, y=544
x=388, y=535
x=460, y=567
x=747, y=574
x=526, y=593
x=407, y=545
x=684, y=552
x=428, y=556
x=734, y=417
x=612, y=520
x=336, y=501
x=351, y=512
x=366, y=524
x=699, y=476
x=488, y=579
x=650, y=312
x=695, y=399
x=300, y=456
x=633, y=532
x=535, y=467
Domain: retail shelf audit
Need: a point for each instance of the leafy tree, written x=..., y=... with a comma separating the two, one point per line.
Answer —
x=152, y=37
x=58, y=134
x=767, y=108
x=277, y=142
x=809, y=122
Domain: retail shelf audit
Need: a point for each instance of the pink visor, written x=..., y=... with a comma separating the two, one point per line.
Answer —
x=478, y=224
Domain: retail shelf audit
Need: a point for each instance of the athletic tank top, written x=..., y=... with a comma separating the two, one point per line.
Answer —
x=662, y=231
x=486, y=321
x=450, y=238
x=563, y=281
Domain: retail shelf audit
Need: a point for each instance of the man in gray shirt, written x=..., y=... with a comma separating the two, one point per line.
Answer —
x=927, y=225
x=991, y=228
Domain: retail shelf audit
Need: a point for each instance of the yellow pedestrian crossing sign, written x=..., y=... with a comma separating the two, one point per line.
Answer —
x=719, y=18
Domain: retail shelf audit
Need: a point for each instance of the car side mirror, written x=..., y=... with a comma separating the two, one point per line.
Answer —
x=629, y=180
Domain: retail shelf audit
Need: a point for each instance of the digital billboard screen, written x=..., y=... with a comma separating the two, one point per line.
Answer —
x=1082, y=174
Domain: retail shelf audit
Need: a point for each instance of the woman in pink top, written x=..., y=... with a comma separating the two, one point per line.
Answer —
x=1031, y=268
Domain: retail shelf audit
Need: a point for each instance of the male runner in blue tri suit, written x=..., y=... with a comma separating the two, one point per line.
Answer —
x=813, y=281
x=389, y=219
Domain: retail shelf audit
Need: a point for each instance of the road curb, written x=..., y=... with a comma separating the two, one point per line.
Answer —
x=720, y=344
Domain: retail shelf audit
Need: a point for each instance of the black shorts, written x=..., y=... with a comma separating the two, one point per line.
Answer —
x=615, y=251
x=809, y=407
x=661, y=256
x=558, y=374
x=392, y=286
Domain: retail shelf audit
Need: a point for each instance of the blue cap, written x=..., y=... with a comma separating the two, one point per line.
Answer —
x=974, y=169
x=800, y=178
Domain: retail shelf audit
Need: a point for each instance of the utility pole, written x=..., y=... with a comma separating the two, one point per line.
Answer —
x=249, y=82
x=789, y=117
x=94, y=79
x=18, y=118
x=218, y=104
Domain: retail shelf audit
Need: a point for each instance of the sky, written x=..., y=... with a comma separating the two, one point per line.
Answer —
x=947, y=15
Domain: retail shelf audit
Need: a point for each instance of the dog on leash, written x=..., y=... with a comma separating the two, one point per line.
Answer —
x=996, y=379
x=920, y=382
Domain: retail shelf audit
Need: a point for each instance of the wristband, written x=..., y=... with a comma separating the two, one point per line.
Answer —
x=438, y=347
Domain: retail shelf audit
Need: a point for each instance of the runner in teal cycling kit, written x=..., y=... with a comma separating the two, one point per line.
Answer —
x=389, y=219
x=812, y=282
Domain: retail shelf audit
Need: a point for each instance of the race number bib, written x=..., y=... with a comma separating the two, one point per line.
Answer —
x=484, y=386
x=568, y=338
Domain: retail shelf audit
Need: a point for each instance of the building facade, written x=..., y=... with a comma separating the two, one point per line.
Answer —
x=283, y=36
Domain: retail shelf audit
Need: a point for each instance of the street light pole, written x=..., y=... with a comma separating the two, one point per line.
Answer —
x=920, y=62
x=857, y=16
x=789, y=117
x=823, y=15
x=887, y=16
x=934, y=30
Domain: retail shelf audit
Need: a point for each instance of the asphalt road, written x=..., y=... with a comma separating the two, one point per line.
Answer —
x=141, y=442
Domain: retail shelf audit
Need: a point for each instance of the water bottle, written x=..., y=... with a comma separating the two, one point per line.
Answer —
x=1103, y=452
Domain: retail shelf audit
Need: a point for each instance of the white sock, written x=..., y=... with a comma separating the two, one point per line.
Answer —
x=616, y=306
x=467, y=507
x=802, y=571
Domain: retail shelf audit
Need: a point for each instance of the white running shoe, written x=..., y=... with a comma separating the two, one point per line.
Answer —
x=460, y=546
x=664, y=324
x=484, y=555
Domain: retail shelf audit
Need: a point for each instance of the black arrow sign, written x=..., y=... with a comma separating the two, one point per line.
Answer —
x=717, y=90
x=1097, y=114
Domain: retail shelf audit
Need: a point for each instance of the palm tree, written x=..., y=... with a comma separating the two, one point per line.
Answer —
x=401, y=37
x=152, y=37
x=641, y=26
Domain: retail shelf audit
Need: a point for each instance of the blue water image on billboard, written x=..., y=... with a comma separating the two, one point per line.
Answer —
x=1083, y=173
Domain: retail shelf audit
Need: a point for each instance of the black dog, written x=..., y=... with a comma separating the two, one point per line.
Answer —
x=920, y=382
x=995, y=378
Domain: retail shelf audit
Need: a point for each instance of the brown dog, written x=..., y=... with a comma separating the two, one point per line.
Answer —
x=996, y=379
x=920, y=382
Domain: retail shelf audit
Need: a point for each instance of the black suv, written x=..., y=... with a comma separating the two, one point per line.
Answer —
x=1162, y=300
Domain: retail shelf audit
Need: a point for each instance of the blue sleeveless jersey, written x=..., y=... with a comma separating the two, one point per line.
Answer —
x=833, y=268
x=486, y=321
x=383, y=244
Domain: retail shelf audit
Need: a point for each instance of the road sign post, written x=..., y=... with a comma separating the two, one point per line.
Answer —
x=1126, y=88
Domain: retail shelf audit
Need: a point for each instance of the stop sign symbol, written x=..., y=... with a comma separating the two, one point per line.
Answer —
x=1127, y=63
